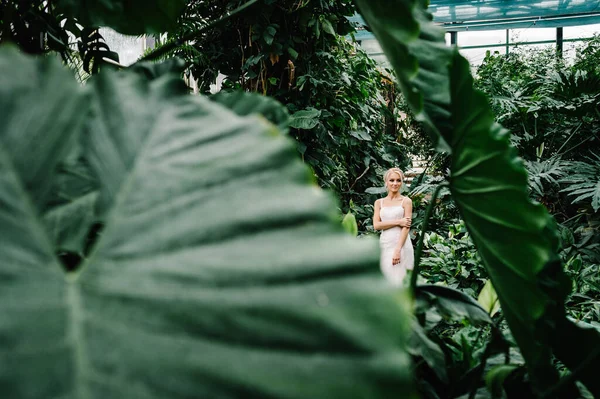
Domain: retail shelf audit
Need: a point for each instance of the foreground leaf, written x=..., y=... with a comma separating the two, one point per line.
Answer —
x=221, y=272
x=516, y=239
x=243, y=104
x=432, y=354
x=130, y=17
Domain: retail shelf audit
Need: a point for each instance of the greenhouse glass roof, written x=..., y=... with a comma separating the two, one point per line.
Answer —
x=509, y=14
x=468, y=15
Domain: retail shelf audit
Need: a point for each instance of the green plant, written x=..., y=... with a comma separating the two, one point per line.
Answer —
x=40, y=27
x=343, y=108
x=544, y=175
x=583, y=182
x=444, y=215
x=455, y=344
x=219, y=270
x=546, y=103
x=453, y=260
x=516, y=239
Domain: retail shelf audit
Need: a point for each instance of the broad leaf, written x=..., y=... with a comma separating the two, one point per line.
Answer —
x=451, y=304
x=35, y=98
x=516, y=239
x=69, y=224
x=495, y=378
x=305, y=119
x=71, y=209
x=243, y=103
x=432, y=354
x=488, y=298
x=349, y=224
x=221, y=271
x=131, y=17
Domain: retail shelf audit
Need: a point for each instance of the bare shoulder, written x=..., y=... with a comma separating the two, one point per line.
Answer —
x=377, y=203
x=407, y=200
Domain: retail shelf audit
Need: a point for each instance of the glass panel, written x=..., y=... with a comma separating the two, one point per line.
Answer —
x=476, y=56
x=532, y=35
x=481, y=37
x=477, y=10
x=578, y=32
x=129, y=48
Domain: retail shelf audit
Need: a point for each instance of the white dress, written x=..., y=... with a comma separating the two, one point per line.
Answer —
x=389, y=240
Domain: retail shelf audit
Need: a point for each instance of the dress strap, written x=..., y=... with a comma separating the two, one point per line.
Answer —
x=402, y=203
x=381, y=202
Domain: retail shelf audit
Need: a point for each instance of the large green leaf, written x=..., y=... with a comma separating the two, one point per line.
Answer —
x=432, y=354
x=131, y=17
x=221, y=271
x=70, y=210
x=305, y=119
x=244, y=103
x=488, y=298
x=515, y=238
x=451, y=304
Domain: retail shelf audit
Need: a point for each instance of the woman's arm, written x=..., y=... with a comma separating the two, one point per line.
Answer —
x=407, y=214
x=404, y=233
x=379, y=225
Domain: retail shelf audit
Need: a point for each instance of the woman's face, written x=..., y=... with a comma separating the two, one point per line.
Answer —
x=394, y=182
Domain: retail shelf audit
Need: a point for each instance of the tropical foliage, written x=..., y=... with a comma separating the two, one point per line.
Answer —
x=344, y=109
x=176, y=245
x=199, y=280
x=489, y=186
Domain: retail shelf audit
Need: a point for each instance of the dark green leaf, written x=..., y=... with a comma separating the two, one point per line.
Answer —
x=305, y=119
x=327, y=27
x=361, y=135
x=421, y=345
x=50, y=107
x=133, y=17
x=293, y=53
x=453, y=304
x=495, y=378
x=515, y=238
x=69, y=224
x=243, y=104
x=153, y=70
x=221, y=270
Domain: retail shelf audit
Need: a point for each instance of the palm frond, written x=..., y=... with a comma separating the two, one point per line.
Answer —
x=584, y=182
x=542, y=174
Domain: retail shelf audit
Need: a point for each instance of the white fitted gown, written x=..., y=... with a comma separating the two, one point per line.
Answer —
x=389, y=240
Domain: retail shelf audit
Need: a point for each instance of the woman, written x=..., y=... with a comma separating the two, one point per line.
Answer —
x=393, y=216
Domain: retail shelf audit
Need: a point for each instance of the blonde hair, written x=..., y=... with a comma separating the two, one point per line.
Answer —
x=389, y=172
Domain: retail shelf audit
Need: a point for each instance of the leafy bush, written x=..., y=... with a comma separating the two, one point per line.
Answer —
x=344, y=109
x=453, y=260
x=160, y=255
x=516, y=239
x=583, y=182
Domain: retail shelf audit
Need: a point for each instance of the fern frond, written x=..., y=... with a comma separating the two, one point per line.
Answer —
x=584, y=181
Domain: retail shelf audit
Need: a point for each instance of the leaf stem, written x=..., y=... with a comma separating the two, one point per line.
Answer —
x=419, y=250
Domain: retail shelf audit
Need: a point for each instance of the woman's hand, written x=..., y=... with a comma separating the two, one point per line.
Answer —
x=404, y=222
x=396, y=256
